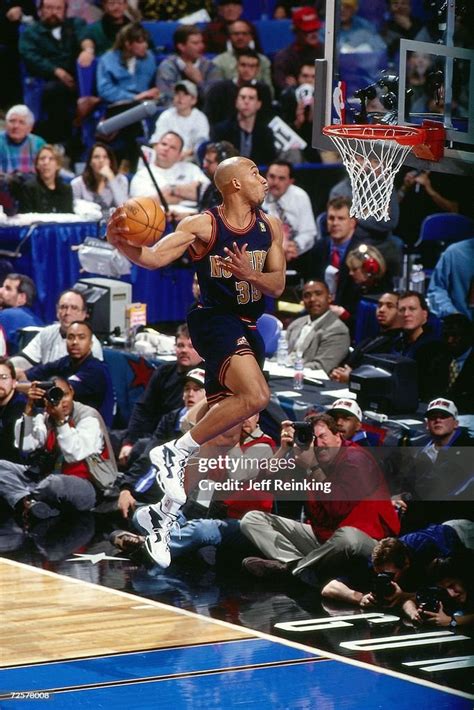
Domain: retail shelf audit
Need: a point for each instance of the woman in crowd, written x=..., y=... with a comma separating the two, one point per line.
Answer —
x=367, y=268
x=46, y=192
x=100, y=182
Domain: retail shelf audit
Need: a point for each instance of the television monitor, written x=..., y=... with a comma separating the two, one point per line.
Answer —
x=386, y=383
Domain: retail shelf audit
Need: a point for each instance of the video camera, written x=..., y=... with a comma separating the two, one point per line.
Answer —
x=54, y=394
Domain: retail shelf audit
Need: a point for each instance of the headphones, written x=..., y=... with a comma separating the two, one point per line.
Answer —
x=370, y=265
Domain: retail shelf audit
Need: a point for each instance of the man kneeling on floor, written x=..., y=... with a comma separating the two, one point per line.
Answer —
x=342, y=524
x=70, y=462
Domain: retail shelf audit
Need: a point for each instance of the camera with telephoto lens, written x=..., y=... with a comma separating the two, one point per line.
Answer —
x=303, y=434
x=431, y=598
x=54, y=394
x=382, y=586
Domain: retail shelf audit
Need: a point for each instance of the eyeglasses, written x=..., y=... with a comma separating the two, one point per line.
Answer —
x=74, y=309
x=5, y=377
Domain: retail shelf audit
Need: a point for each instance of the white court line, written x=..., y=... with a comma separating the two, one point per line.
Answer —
x=259, y=634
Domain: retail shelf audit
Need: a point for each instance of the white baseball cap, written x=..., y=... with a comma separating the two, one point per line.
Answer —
x=442, y=405
x=346, y=406
x=197, y=375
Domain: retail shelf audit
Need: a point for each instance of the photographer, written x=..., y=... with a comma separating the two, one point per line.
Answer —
x=66, y=444
x=342, y=525
x=398, y=567
x=450, y=603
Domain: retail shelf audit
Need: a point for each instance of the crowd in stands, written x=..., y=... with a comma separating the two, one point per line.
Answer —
x=60, y=453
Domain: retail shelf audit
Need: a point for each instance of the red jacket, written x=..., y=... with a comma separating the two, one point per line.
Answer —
x=359, y=497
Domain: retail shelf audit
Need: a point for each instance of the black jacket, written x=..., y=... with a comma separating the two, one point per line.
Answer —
x=263, y=147
x=462, y=390
x=12, y=411
x=34, y=196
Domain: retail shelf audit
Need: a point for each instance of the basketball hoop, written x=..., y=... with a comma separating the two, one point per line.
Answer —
x=373, y=154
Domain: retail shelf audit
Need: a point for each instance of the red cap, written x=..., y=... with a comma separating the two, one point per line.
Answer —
x=306, y=19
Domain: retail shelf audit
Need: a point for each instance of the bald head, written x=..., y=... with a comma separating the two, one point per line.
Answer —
x=230, y=169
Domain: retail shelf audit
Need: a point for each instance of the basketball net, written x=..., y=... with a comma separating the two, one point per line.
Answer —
x=372, y=166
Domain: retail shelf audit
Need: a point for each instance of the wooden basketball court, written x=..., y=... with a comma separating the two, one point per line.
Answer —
x=73, y=644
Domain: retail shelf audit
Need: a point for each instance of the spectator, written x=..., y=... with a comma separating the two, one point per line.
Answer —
x=184, y=118
x=356, y=33
x=88, y=376
x=100, y=182
x=405, y=560
x=304, y=50
x=418, y=340
x=103, y=33
x=399, y=24
x=339, y=528
x=18, y=145
x=321, y=338
x=377, y=232
x=18, y=150
x=329, y=256
x=216, y=34
x=49, y=49
x=50, y=343
x=12, y=16
x=451, y=368
x=65, y=438
x=422, y=193
x=17, y=294
x=442, y=470
x=46, y=192
x=348, y=416
x=240, y=35
x=451, y=281
x=210, y=196
x=220, y=99
x=297, y=105
x=250, y=135
x=126, y=75
x=367, y=269
x=178, y=180
x=158, y=10
x=291, y=204
x=162, y=394
x=12, y=404
x=389, y=321
x=188, y=62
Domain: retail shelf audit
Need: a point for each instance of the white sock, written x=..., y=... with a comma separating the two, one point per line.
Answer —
x=187, y=443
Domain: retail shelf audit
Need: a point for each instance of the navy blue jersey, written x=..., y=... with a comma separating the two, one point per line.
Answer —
x=219, y=288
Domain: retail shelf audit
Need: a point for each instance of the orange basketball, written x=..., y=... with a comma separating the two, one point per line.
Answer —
x=146, y=221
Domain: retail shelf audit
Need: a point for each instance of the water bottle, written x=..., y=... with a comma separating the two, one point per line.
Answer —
x=417, y=278
x=282, y=351
x=298, y=378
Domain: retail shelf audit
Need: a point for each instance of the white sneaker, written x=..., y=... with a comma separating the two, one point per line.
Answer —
x=158, y=522
x=170, y=463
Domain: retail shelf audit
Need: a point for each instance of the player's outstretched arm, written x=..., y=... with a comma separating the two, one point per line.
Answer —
x=168, y=249
x=270, y=281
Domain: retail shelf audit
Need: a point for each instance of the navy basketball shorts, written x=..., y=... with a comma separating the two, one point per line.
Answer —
x=217, y=336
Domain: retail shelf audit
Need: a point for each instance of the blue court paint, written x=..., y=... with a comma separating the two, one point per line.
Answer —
x=162, y=662
x=327, y=685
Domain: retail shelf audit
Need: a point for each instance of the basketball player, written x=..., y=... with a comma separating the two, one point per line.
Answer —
x=239, y=257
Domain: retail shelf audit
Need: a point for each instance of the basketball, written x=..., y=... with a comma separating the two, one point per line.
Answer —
x=146, y=221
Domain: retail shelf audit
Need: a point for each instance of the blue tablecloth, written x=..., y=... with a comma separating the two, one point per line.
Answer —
x=48, y=259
